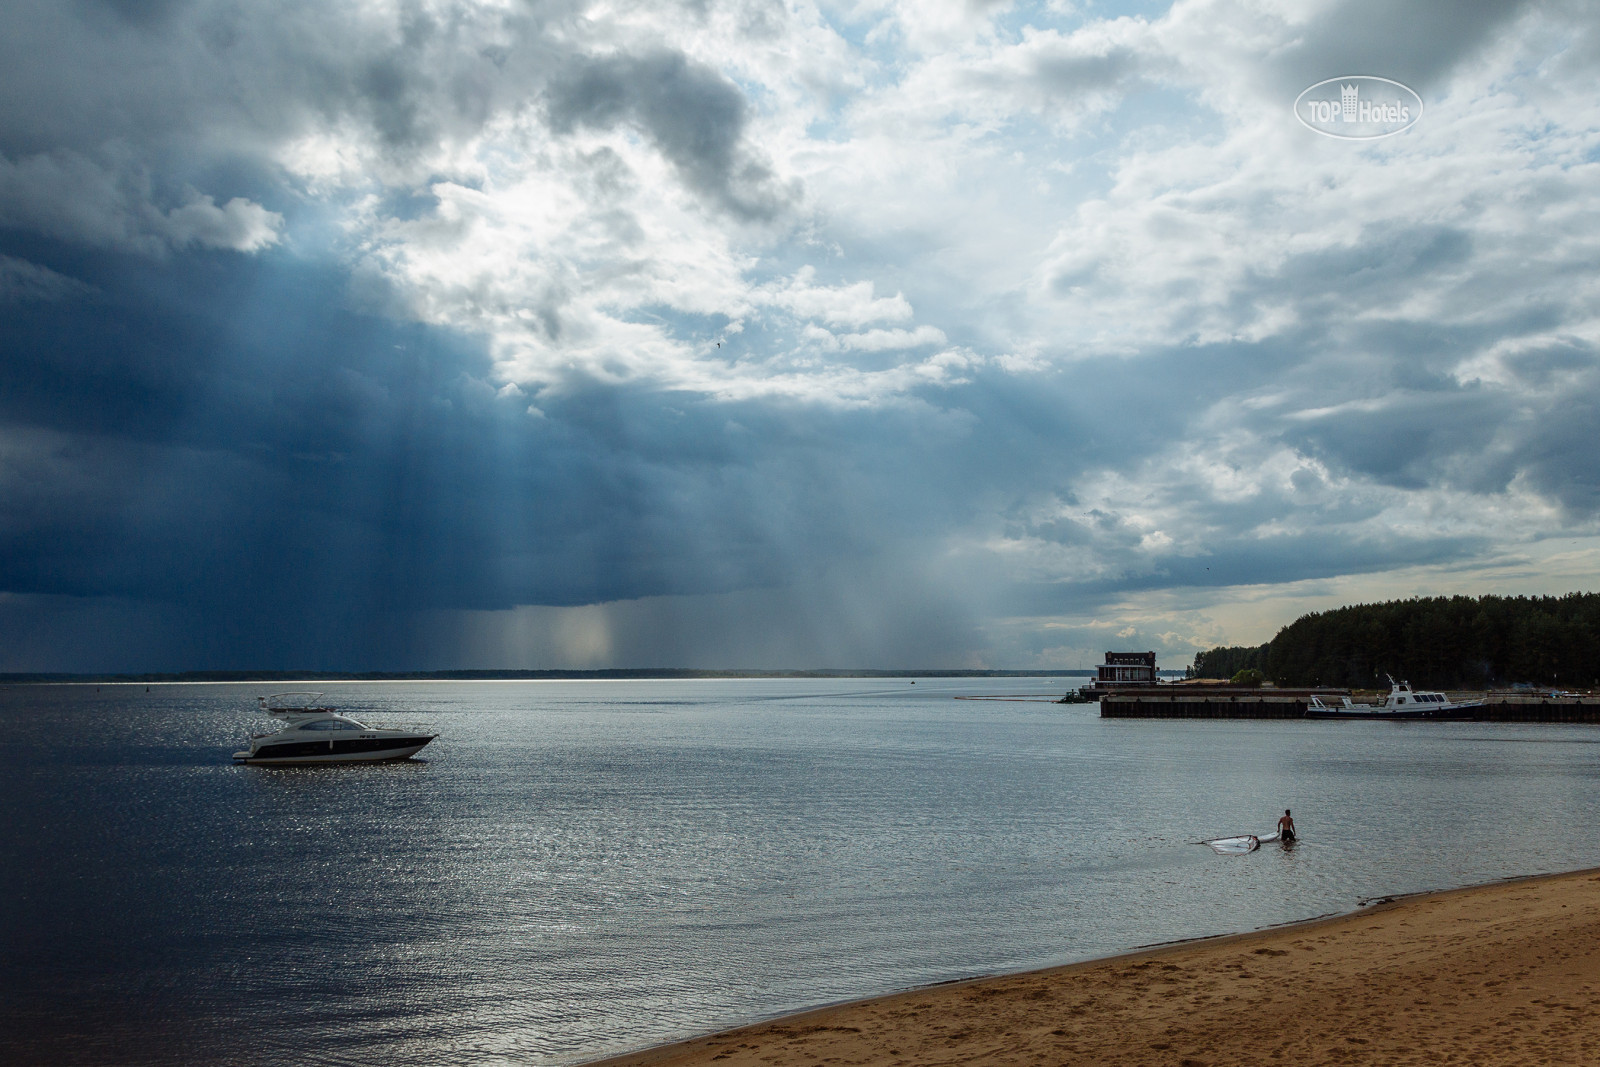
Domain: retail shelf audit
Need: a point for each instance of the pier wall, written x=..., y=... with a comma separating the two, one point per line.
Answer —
x=1218, y=702
x=1212, y=702
x=1535, y=709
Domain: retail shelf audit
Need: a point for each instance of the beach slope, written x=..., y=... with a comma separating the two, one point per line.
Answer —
x=1500, y=974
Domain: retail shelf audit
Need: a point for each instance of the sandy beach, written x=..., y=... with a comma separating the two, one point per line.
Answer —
x=1499, y=974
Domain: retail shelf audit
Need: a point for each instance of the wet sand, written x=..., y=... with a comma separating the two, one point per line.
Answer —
x=1500, y=974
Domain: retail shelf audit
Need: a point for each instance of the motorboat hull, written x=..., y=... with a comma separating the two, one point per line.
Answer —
x=344, y=750
x=1457, y=713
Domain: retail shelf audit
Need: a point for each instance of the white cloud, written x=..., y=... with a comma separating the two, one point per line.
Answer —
x=239, y=225
x=844, y=305
x=888, y=340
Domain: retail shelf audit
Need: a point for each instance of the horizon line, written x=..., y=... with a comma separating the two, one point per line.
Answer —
x=492, y=674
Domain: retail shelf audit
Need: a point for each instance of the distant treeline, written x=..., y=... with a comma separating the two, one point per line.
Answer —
x=1438, y=642
x=1226, y=662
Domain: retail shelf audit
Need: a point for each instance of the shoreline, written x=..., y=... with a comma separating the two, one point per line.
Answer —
x=1488, y=973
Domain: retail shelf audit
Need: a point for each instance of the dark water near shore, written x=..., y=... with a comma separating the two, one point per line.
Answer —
x=583, y=867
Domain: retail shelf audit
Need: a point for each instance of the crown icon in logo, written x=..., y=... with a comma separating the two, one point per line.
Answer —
x=1347, y=98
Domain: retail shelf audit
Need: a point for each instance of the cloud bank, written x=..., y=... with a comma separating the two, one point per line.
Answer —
x=450, y=333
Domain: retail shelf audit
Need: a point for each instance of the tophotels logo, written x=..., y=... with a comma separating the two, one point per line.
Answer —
x=1358, y=107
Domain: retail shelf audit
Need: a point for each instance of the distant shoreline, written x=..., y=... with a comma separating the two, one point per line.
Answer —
x=622, y=673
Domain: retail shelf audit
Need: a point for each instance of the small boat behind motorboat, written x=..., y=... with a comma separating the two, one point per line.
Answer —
x=316, y=734
x=1403, y=702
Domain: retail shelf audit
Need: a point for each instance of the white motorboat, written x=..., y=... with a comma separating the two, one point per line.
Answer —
x=1403, y=702
x=316, y=734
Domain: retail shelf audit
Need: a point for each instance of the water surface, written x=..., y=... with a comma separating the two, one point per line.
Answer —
x=577, y=868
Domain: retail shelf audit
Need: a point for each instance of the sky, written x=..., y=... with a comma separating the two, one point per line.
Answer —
x=449, y=334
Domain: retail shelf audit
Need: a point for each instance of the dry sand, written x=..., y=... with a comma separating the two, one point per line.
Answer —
x=1499, y=974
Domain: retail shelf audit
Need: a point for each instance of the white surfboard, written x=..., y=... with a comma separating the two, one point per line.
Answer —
x=1238, y=846
x=1235, y=846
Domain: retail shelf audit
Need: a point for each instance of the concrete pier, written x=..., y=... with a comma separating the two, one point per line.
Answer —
x=1540, y=709
x=1212, y=702
x=1234, y=702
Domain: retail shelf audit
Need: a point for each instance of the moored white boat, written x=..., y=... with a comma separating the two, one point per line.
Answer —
x=316, y=734
x=1403, y=702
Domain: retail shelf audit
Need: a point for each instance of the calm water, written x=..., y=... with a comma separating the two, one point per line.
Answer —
x=584, y=867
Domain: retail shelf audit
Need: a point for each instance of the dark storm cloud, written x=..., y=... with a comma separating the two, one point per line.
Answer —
x=1246, y=561
x=1373, y=403
x=23, y=282
x=221, y=75
x=1543, y=364
x=1383, y=261
x=118, y=120
x=695, y=117
x=142, y=13
x=287, y=482
x=1560, y=453
x=1381, y=402
x=1415, y=42
x=292, y=481
x=1377, y=395
x=1408, y=442
x=70, y=196
x=220, y=436
x=1073, y=75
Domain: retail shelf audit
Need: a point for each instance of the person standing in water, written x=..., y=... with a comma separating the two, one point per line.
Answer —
x=1286, y=826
